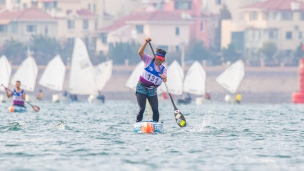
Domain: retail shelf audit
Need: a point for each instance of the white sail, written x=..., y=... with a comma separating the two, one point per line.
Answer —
x=5, y=72
x=53, y=75
x=82, y=79
x=195, y=80
x=175, y=76
x=27, y=74
x=103, y=73
x=232, y=77
x=134, y=77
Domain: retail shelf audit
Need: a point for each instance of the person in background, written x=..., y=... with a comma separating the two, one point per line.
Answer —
x=238, y=98
x=40, y=95
x=65, y=93
x=164, y=95
x=186, y=100
x=100, y=97
x=73, y=97
x=18, y=94
x=207, y=96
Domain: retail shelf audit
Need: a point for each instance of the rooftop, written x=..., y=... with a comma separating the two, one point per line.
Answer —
x=278, y=5
x=82, y=13
x=144, y=16
x=30, y=14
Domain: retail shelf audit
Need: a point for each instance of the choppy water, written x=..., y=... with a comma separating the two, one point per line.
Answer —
x=82, y=136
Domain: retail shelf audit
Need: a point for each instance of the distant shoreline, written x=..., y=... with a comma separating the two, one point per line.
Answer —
x=261, y=84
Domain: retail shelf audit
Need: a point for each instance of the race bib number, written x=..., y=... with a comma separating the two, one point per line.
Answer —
x=153, y=78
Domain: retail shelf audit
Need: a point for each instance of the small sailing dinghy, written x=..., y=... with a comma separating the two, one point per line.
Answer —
x=82, y=77
x=53, y=77
x=231, y=78
x=27, y=75
x=5, y=75
x=195, y=81
x=103, y=73
x=175, y=79
x=134, y=77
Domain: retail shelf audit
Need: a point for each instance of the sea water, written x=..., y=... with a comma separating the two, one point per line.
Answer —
x=83, y=136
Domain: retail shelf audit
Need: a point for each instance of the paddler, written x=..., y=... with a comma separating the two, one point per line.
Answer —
x=40, y=95
x=100, y=97
x=18, y=94
x=238, y=98
x=150, y=79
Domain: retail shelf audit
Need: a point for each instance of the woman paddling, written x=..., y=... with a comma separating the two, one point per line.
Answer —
x=153, y=75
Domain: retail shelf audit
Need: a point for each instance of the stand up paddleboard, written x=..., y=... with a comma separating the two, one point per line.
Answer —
x=18, y=109
x=148, y=127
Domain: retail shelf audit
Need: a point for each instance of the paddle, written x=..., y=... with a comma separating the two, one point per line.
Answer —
x=179, y=117
x=35, y=108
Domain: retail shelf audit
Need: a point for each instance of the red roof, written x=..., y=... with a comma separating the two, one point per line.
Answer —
x=27, y=14
x=82, y=13
x=46, y=0
x=276, y=5
x=144, y=16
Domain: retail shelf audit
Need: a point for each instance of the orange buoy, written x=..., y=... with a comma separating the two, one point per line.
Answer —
x=11, y=109
x=298, y=97
x=147, y=127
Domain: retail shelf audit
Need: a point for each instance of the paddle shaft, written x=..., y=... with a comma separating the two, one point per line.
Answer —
x=22, y=97
x=175, y=108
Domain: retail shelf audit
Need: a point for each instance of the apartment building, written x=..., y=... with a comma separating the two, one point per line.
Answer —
x=169, y=31
x=215, y=6
x=21, y=24
x=277, y=21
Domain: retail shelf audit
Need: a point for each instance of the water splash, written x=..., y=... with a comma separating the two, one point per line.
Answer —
x=61, y=126
x=208, y=119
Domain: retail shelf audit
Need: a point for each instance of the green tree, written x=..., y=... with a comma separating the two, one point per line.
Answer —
x=119, y=52
x=45, y=48
x=269, y=49
x=299, y=53
x=231, y=54
x=197, y=51
x=224, y=15
x=14, y=50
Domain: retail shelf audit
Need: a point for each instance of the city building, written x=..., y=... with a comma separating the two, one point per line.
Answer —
x=169, y=31
x=161, y=19
x=215, y=6
x=278, y=21
x=22, y=24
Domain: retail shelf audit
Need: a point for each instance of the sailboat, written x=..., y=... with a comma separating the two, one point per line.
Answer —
x=175, y=77
x=27, y=75
x=195, y=81
x=82, y=77
x=231, y=78
x=103, y=73
x=6, y=71
x=53, y=77
x=134, y=77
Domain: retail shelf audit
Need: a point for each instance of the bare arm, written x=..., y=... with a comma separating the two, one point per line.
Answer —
x=8, y=94
x=142, y=48
x=164, y=77
x=24, y=95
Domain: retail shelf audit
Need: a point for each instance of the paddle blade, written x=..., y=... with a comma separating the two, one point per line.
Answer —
x=36, y=108
x=180, y=119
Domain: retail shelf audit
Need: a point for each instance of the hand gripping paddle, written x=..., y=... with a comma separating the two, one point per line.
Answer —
x=35, y=108
x=179, y=117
